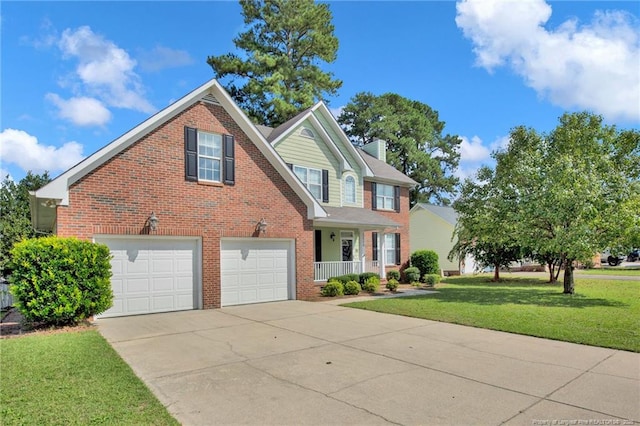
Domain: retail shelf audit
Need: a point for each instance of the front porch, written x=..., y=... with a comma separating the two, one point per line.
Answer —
x=325, y=270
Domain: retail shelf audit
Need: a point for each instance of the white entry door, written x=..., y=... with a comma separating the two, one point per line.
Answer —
x=151, y=275
x=255, y=270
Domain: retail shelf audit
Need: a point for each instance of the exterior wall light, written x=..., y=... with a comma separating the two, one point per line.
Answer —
x=153, y=221
x=262, y=226
x=333, y=236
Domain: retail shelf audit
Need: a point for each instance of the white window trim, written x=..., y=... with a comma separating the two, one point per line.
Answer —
x=391, y=246
x=380, y=206
x=218, y=159
x=355, y=190
x=306, y=184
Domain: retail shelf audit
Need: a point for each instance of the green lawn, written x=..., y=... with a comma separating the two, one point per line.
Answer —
x=72, y=378
x=601, y=313
x=628, y=272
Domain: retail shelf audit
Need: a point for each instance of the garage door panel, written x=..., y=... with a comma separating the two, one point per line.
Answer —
x=151, y=275
x=255, y=271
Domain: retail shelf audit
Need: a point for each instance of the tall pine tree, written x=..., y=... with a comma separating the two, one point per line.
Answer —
x=278, y=75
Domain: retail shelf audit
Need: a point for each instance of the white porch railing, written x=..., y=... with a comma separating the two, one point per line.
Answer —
x=325, y=270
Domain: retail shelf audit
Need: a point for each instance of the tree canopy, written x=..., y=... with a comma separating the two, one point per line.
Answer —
x=415, y=143
x=569, y=193
x=278, y=73
x=15, y=214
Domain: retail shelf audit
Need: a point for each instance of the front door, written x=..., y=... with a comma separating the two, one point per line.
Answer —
x=347, y=246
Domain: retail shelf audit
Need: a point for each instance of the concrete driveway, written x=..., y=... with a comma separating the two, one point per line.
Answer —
x=295, y=362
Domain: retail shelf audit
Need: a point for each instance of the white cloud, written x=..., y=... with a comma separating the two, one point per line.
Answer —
x=473, y=150
x=336, y=111
x=22, y=149
x=4, y=174
x=81, y=111
x=105, y=70
x=587, y=66
x=162, y=57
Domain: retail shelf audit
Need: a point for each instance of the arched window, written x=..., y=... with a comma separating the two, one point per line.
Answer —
x=307, y=133
x=349, y=189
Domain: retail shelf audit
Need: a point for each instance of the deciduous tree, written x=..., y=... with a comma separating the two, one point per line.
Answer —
x=278, y=74
x=15, y=216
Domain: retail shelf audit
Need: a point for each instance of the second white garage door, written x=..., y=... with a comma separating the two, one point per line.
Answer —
x=254, y=271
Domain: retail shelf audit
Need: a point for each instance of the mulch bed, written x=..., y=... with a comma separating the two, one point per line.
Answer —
x=13, y=324
x=382, y=292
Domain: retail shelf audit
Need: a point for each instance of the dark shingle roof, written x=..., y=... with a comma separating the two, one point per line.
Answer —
x=286, y=126
x=385, y=171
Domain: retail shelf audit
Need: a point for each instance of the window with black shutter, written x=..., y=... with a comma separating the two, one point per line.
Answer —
x=190, y=154
x=229, y=166
x=396, y=198
x=209, y=157
x=374, y=242
x=374, y=196
x=325, y=186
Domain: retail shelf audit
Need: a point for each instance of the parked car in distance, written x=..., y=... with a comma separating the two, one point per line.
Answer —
x=612, y=260
x=634, y=255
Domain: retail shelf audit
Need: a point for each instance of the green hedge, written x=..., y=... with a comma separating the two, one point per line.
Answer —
x=352, y=287
x=60, y=281
x=412, y=275
x=332, y=289
x=426, y=261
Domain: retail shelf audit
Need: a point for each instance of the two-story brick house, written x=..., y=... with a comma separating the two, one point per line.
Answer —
x=203, y=209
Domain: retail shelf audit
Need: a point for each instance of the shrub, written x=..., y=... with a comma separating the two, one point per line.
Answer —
x=392, y=285
x=371, y=285
x=393, y=275
x=426, y=261
x=333, y=288
x=345, y=278
x=366, y=275
x=431, y=279
x=412, y=274
x=352, y=287
x=60, y=281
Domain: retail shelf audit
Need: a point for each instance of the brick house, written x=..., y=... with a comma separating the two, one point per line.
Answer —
x=203, y=209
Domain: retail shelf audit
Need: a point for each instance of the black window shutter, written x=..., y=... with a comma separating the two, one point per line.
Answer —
x=396, y=198
x=325, y=186
x=229, y=167
x=374, y=195
x=375, y=246
x=290, y=166
x=318, y=244
x=190, y=153
x=397, y=249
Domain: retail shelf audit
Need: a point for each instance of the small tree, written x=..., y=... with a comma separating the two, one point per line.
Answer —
x=60, y=281
x=426, y=261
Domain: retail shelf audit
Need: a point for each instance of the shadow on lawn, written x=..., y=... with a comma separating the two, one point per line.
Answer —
x=503, y=295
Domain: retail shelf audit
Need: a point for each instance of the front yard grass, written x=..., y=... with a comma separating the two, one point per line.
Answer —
x=625, y=272
x=72, y=378
x=602, y=312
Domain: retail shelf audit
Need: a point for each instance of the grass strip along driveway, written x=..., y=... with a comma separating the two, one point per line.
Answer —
x=72, y=378
x=602, y=313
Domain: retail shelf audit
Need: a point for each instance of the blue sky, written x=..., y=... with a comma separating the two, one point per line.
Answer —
x=76, y=75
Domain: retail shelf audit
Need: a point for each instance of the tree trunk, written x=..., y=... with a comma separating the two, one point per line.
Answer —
x=568, y=277
x=551, y=265
x=496, y=273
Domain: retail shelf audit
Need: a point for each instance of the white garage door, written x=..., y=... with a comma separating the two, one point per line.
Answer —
x=151, y=275
x=254, y=271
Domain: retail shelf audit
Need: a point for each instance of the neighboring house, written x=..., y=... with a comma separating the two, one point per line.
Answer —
x=432, y=229
x=202, y=209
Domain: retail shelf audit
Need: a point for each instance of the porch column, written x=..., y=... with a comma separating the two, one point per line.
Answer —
x=363, y=260
x=382, y=253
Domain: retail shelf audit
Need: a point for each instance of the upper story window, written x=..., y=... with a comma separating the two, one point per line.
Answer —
x=312, y=179
x=307, y=133
x=385, y=197
x=349, y=189
x=209, y=156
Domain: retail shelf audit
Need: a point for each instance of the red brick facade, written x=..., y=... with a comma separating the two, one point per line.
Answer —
x=118, y=197
x=401, y=217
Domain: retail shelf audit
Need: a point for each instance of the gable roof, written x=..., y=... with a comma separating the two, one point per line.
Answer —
x=384, y=171
x=448, y=214
x=56, y=192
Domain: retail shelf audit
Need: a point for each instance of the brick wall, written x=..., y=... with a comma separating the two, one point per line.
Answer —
x=118, y=197
x=401, y=217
